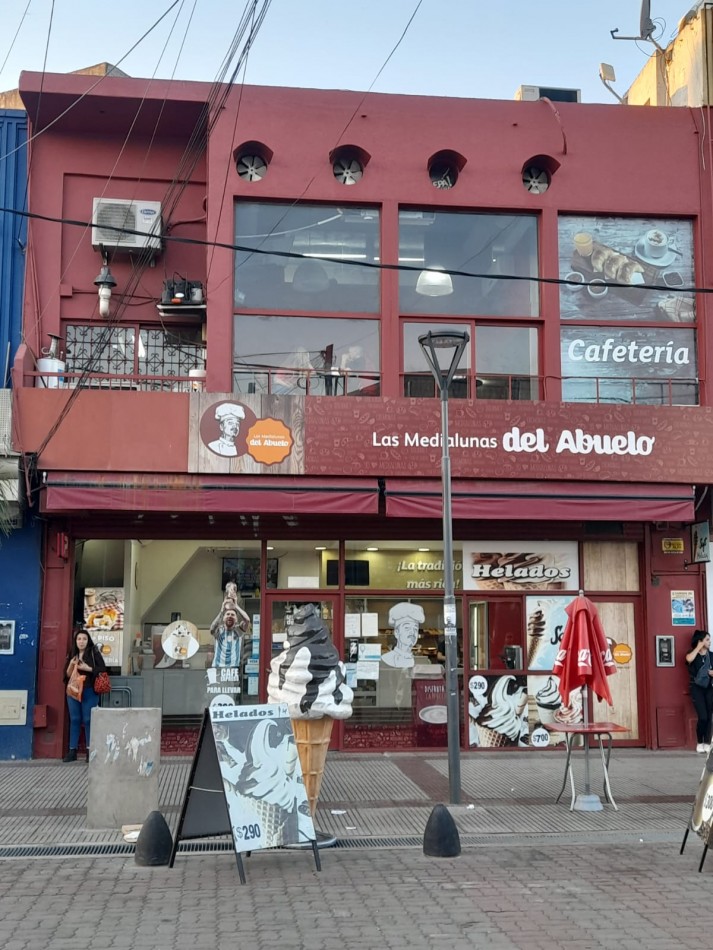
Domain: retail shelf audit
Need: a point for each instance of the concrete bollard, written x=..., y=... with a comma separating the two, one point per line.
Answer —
x=441, y=838
x=154, y=844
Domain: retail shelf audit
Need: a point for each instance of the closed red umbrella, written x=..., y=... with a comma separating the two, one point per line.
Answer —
x=584, y=657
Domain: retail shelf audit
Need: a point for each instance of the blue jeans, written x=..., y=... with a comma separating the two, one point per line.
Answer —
x=81, y=713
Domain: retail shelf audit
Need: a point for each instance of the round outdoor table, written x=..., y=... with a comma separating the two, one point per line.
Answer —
x=598, y=729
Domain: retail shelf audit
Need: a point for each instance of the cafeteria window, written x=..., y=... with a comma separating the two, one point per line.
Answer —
x=348, y=281
x=493, y=246
x=318, y=356
x=505, y=359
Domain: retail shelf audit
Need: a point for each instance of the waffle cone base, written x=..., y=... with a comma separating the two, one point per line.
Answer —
x=312, y=737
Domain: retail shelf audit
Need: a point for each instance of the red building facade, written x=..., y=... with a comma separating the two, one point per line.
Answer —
x=253, y=405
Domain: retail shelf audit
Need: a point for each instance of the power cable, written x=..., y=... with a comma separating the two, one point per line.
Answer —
x=346, y=262
x=91, y=88
x=17, y=31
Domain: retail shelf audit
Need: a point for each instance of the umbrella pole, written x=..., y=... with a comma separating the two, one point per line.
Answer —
x=588, y=801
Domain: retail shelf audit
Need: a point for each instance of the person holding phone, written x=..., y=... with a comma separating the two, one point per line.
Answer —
x=700, y=670
x=86, y=658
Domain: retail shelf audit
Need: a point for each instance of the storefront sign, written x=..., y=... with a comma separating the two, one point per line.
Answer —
x=104, y=621
x=672, y=545
x=700, y=543
x=520, y=565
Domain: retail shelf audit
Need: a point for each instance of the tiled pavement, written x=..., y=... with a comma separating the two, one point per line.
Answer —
x=532, y=875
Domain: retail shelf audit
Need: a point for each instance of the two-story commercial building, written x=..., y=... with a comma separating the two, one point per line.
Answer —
x=221, y=380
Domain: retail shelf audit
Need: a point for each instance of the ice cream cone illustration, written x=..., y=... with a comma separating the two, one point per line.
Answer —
x=490, y=739
x=309, y=677
x=548, y=701
x=500, y=723
x=535, y=633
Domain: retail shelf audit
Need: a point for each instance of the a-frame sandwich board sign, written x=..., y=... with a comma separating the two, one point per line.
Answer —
x=246, y=781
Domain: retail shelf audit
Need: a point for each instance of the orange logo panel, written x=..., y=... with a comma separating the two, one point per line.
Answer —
x=269, y=441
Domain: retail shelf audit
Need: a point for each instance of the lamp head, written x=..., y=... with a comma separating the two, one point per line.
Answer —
x=105, y=282
x=454, y=341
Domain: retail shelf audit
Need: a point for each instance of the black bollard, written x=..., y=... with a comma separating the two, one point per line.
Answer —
x=154, y=844
x=441, y=838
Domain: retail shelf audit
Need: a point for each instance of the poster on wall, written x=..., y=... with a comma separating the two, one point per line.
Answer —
x=509, y=711
x=262, y=776
x=700, y=543
x=683, y=608
x=7, y=637
x=546, y=620
x=520, y=565
x=104, y=621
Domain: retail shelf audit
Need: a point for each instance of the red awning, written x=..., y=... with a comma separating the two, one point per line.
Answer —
x=541, y=501
x=99, y=491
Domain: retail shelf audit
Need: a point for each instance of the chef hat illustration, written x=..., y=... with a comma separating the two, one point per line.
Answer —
x=229, y=409
x=404, y=611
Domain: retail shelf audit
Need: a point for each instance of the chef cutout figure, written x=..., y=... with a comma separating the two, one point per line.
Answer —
x=406, y=620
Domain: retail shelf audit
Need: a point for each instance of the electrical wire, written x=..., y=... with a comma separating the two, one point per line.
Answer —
x=91, y=89
x=346, y=262
x=17, y=31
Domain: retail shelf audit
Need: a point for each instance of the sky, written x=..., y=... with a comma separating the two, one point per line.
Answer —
x=471, y=48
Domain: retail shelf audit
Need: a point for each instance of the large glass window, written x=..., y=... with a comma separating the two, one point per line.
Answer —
x=491, y=245
x=298, y=355
x=347, y=235
x=506, y=363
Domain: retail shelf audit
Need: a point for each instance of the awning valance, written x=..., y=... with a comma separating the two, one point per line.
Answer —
x=100, y=491
x=541, y=501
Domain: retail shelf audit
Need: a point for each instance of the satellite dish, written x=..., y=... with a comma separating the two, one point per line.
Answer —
x=647, y=28
x=646, y=24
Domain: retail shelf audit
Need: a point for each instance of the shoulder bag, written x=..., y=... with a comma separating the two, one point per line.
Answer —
x=75, y=683
x=702, y=678
x=102, y=683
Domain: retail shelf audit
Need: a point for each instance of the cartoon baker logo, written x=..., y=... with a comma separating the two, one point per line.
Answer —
x=230, y=429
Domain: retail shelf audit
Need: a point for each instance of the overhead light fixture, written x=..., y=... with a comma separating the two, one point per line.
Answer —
x=105, y=282
x=372, y=549
x=320, y=548
x=434, y=282
x=423, y=550
x=270, y=548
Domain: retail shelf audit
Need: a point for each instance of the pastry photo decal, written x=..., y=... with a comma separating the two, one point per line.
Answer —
x=631, y=269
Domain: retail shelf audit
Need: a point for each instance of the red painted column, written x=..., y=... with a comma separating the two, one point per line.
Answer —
x=55, y=635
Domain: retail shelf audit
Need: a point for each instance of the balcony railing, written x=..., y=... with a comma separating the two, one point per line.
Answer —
x=491, y=386
x=308, y=382
x=106, y=381
x=631, y=391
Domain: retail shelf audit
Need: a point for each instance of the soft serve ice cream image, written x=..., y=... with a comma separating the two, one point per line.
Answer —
x=310, y=678
x=502, y=721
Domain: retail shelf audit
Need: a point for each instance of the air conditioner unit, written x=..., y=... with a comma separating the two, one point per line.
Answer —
x=532, y=93
x=126, y=225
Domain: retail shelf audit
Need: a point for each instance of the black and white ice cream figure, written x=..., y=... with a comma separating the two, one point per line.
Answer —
x=229, y=416
x=228, y=629
x=406, y=620
x=180, y=640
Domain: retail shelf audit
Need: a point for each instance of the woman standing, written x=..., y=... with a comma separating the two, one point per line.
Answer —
x=701, y=673
x=87, y=660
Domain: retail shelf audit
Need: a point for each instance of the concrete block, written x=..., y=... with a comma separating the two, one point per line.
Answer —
x=124, y=763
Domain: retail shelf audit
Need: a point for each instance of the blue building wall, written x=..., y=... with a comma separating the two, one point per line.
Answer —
x=20, y=553
x=13, y=231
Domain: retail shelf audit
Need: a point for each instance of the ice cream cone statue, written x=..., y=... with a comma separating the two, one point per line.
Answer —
x=310, y=678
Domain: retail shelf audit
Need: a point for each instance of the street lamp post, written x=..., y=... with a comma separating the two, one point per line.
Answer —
x=431, y=342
